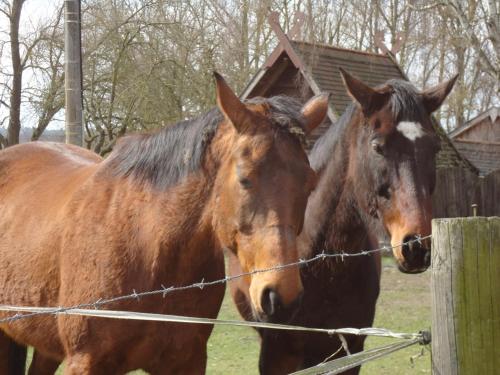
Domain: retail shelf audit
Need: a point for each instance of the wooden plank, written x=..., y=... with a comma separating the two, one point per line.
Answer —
x=362, y=68
x=472, y=339
x=457, y=292
x=491, y=194
x=445, y=358
x=331, y=77
x=456, y=190
x=495, y=285
x=485, y=293
x=278, y=72
x=465, y=295
x=354, y=58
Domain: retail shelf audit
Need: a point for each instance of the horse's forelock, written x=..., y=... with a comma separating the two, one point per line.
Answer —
x=405, y=101
x=285, y=113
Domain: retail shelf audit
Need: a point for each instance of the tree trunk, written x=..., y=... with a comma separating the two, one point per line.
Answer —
x=461, y=89
x=17, y=75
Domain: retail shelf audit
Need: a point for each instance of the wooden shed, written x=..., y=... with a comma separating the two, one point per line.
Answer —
x=302, y=69
x=479, y=140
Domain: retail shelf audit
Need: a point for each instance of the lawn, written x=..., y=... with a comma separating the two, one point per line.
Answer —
x=403, y=305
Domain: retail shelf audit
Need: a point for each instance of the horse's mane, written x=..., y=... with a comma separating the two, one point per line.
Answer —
x=165, y=157
x=405, y=104
x=323, y=148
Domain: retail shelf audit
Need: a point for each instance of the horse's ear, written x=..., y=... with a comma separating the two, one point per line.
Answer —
x=435, y=96
x=229, y=104
x=369, y=99
x=314, y=111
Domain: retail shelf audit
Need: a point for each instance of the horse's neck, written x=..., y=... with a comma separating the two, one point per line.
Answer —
x=333, y=221
x=177, y=226
x=181, y=232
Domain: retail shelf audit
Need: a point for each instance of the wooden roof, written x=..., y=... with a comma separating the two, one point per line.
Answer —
x=324, y=62
x=484, y=155
x=302, y=69
x=493, y=113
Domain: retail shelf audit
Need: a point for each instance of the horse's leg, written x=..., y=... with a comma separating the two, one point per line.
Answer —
x=280, y=353
x=42, y=365
x=355, y=346
x=4, y=354
x=84, y=363
x=17, y=358
x=12, y=356
x=192, y=362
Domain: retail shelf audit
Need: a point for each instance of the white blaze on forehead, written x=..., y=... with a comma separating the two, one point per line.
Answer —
x=411, y=130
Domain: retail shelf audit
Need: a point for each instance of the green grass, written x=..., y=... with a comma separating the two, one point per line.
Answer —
x=232, y=350
x=403, y=305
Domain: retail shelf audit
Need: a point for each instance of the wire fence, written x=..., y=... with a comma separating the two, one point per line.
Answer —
x=164, y=291
x=348, y=362
x=132, y=315
x=92, y=309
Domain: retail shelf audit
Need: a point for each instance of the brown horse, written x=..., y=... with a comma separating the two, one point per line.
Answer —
x=376, y=171
x=76, y=228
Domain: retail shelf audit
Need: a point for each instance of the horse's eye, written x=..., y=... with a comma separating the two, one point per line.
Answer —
x=384, y=191
x=377, y=147
x=245, y=183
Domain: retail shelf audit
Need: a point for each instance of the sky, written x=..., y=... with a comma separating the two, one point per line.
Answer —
x=36, y=10
x=33, y=13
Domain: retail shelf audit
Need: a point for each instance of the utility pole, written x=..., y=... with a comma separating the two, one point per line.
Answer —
x=73, y=72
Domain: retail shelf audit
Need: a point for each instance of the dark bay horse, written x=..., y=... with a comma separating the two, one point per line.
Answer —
x=76, y=228
x=376, y=169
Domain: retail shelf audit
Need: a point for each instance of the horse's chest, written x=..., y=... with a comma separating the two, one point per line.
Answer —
x=171, y=345
x=340, y=295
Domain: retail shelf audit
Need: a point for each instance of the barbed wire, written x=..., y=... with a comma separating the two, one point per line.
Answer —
x=164, y=291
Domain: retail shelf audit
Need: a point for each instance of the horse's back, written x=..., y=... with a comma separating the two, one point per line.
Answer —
x=39, y=170
x=36, y=182
x=16, y=160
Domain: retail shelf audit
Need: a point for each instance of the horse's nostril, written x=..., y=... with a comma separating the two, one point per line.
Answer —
x=415, y=253
x=406, y=250
x=409, y=240
x=270, y=302
x=410, y=248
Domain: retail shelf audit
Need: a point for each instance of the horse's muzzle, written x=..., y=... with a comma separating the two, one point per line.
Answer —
x=274, y=310
x=417, y=256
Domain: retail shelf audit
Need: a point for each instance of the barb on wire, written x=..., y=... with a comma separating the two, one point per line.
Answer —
x=344, y=343
x=163, y=291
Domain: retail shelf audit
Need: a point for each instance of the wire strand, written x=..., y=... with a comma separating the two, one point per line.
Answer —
x=164, y=291
x=132, y=315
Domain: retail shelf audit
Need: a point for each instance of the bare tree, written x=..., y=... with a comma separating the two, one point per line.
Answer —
x=13, y=14
x=148, y=64
x=40, y=53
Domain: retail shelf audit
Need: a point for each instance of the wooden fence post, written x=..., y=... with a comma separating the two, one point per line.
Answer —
x=465, y=287
x=73, y=73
